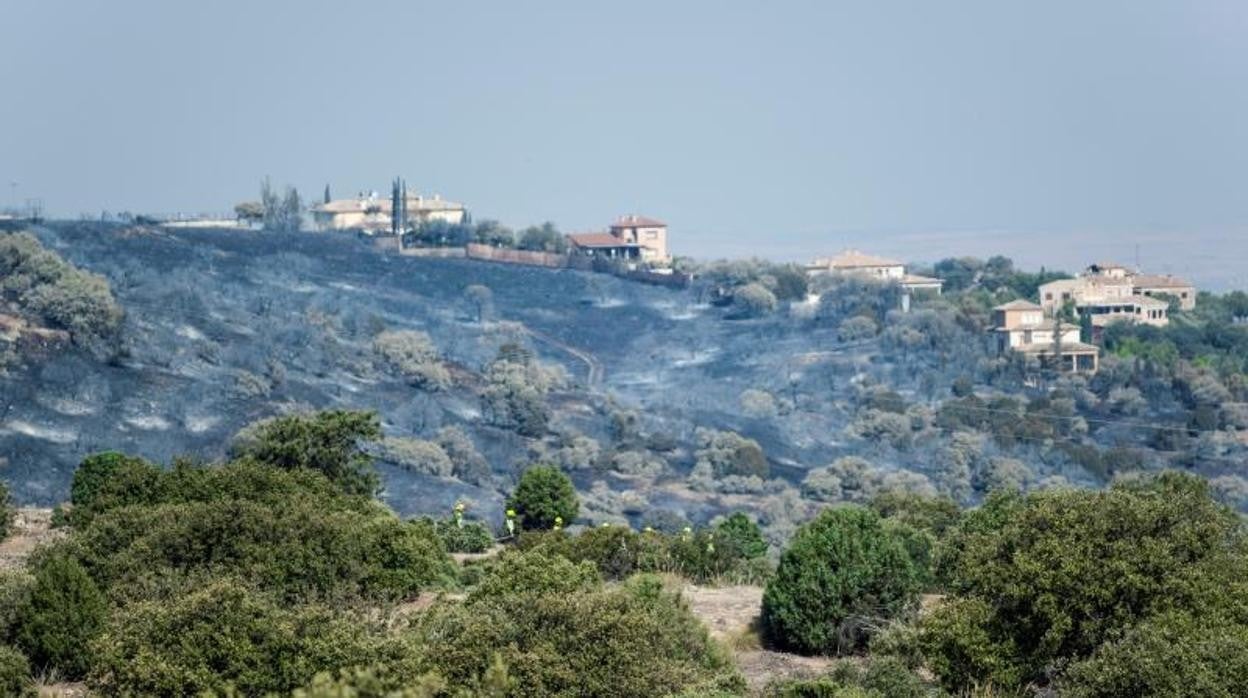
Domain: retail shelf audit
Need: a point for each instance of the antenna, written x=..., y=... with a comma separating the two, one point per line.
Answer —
x=1137, y=257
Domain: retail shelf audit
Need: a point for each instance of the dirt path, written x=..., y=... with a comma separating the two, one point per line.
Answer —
x=31, y=528
x=595, y=371
x=731, y=615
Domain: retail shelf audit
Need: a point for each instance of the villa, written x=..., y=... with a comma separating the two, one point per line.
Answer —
x=1021, y=326
x=371, y=213
x=630, y=237
x=853, y=262
x=1112, y=293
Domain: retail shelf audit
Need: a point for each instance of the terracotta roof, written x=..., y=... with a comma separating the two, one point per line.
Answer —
x=596, y=240
x=1018, y=304
x=1159, y=281
x=853, y=259
x=634, y=221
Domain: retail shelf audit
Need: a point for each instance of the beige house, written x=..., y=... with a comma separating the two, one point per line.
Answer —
x=870, y=266
x=1022, y=326
x=371, y=213
x=630, y=237
x=1112, y=292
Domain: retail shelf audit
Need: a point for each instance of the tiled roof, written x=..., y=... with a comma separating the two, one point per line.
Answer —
x=853, y=259
x=1159, y=281
x=596, y=240
x=634, y=221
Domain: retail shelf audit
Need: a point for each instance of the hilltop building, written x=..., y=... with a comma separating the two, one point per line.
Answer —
x=869, y=266
x=1112, y=293
x=370, y=213
x=1021, y=326
x=630, y=237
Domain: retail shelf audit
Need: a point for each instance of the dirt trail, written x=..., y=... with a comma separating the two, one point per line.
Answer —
x=31, y=528
x=595, y=372
x=731, y=615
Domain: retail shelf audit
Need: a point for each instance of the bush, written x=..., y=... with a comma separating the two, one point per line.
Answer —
x=64, y=611
x=15, y=677
x=1173, y=654
x=754, y=300
x=7, y=513
x=728, y=453
x=558, y=631
x=44, y=284
x=543, y=495
x=328, y=441
x=302, y=548
x=841, y=575
x=877, y=678
x=110, y=480
x=414, y=356
x=470, y=537
x=857, y=328
x=741, y=537
x=226, y=636
x=1045, y=580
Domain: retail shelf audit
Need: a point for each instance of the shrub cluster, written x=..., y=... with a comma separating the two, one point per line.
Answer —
x=732, y=551
x=556, y=630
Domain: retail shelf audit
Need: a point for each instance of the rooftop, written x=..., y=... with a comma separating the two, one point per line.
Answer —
x=853, y=259
x=634, y=220
x=415, y=202
x=596, y=240
x=1160, y=281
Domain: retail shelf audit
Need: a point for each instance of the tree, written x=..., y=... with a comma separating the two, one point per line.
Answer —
x=413, y=354
x=843, y=574
x=329, y=442
x=481, y=298
x=326, y=199
x=6, y=511
x=544, y=238
x=543, y=495
x=64, y=613
x=282, y=212
x=754, y=300
x=250, y=212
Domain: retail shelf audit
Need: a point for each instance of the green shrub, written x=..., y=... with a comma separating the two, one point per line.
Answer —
x=63, y=612
x=875, y=678
x=15, y=588
x=1045, y=580
x=558, y=631
x=741, y=537
x=543, y=495
x=841, y=575
x=299, y=548
x=330, y=442
x=109, y=480
x=470, y=537
x=1173, y=654
x=227, y=636
x=15, y=679
x=7, y=511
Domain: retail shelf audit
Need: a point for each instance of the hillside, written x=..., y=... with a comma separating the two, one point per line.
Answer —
x=664, y=406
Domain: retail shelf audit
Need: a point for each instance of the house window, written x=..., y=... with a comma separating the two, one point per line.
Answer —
x=1048, y=296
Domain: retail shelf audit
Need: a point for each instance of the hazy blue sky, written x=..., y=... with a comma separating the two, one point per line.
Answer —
x=769, y=126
